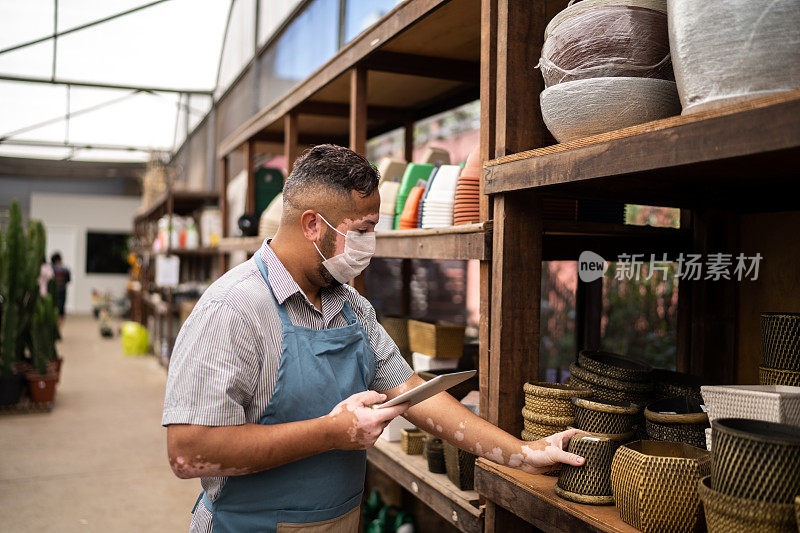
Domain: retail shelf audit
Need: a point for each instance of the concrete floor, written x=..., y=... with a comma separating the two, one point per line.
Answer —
x=98, y=461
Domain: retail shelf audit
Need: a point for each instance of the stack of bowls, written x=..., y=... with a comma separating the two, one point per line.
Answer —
x=606, y=66
x=679, y=419
x=409, y=218
x=669, y=383
x=388, y=191
x=780, y=347
x=755, y=477
x=612, y=377
x=437, y=206
x=428, y=186
x=548, y=408
x=466, y=208
x=655, y=485
x=612, y=420
x=589, y=483
x=414, y=174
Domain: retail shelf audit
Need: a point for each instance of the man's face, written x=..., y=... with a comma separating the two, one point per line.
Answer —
x=361, y=218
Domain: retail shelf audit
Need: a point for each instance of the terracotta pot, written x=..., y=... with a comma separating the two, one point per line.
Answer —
x=10, y=389
x=41, y=388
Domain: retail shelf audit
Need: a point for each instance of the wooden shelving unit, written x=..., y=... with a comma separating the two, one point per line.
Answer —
x=459, y=507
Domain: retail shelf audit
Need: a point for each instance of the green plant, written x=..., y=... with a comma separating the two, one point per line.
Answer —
x=11, y=289
x=44, y=325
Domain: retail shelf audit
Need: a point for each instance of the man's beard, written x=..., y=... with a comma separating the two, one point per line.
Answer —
x=327, y=247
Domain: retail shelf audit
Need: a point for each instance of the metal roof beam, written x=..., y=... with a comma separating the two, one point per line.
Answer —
x=80, y=146
x=75, y=83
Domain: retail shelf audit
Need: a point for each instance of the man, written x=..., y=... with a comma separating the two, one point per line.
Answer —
x=62, y=276
x=274, y=371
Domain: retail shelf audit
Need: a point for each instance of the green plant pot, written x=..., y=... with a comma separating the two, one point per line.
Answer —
x=11, y=389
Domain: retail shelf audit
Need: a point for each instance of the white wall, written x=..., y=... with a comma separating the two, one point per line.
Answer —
x=67, y=218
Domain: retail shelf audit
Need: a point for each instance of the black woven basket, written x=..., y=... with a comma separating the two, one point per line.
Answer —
x=679, y=419
x=587, y=376
x=756, y=460
x=613, y=366
x=780, y=340
x=434, y=452
x=668, y=384
x=604, y=417
x=591, y=482
x=460, y=466
x=610, y=395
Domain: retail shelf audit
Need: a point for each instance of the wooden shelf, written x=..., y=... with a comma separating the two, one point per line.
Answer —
x=459, y=507
x=240, y=244
x=532, y=498
x=203, y=251
x=183, y=202
x=470, y=241
x=740, y=157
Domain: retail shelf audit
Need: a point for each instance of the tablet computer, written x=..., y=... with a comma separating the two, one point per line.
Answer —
x=428, y=389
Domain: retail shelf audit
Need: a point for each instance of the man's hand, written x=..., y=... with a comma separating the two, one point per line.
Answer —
x=356, y=426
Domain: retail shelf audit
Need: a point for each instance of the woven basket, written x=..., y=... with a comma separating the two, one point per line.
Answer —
x=591, y=482
x=655, y=485
x=546, y=420
x=614, y=366
x=668, y=383
x=411, y=441
x=770, y=403
x=728, y=514
x=679, y=419
x=776, y=376
x=600, y=417
x=552, y=399
x=610, y=395
x=542, y=430
x=436, y=340
x=797, y=511
x=780, y=340
x=756, y=460
x=434, y=452
x=397, y=328
x=587, y=376
x=460, y=466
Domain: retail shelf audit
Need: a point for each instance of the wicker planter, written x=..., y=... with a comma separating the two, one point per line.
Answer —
x=728, y=514
x=678, y=419
x=668, y=384
x=434, y=453
x=411, y=441
x=756, y=460
x=397, y=328
x=601, y=417
x=635, y=387
x=797, y=511
x=609, y=395
x=436, y=340
x=770, y=403
x=777, y=376
x=591, y=482
x=655, y=485
x=780, y=340
x=546, y=420
x=460, y=466
x=614, y=366
x=552, y=399
x=541, y=430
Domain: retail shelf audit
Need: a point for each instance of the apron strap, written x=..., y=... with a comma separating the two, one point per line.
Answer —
x=202, y=493
x=262, y=267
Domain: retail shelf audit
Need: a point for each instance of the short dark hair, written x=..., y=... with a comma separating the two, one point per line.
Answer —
x=336, y=168
x=55, y=258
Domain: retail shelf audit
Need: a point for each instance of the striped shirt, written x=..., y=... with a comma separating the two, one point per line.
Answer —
x=225, y=363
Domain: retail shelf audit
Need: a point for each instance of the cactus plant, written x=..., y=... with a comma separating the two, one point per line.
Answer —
x=11, y=287
x=42, y=334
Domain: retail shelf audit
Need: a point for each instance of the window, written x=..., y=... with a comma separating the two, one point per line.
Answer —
x=106, y=253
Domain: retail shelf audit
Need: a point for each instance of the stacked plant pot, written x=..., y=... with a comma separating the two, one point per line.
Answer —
x=655, y=485
x=548, y=408
x=606, y=66
x=755, y=477
x=589, y=483
x=669, y=383
x=679, y=419
x=780, y=349
x=612, y=377
x=605, y=418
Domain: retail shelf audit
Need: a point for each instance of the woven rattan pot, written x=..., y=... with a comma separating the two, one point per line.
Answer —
x=770, y=403
x=728, y=514
x=434, y=453
x=460, y=466
x=604, y=417
x=776, y=376
x=797, y=511
x=411, y=441
x=668, y=384
x=655, y=485
x=614, y=366
x=546, y=420
x=590, y=483
x=610, y=395
x=541, y=430
x=756, y=460
x=637, y=387
x=552, y=399
x=679, y=419
x=545, y=431
x=780, y=340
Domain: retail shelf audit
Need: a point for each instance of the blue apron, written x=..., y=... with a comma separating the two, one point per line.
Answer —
x=318, y=369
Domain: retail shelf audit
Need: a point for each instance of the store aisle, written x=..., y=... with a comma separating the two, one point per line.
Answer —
x=98, y=461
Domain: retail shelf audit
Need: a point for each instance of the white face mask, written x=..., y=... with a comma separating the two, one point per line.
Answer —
x=358, y=250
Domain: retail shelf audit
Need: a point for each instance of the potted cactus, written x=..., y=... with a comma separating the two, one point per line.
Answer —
x=11, y=256
x=42, y=379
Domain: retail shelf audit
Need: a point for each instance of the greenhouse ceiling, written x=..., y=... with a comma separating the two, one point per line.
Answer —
x=117, y=80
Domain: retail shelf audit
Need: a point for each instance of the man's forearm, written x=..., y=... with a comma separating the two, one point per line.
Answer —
x=204, y=451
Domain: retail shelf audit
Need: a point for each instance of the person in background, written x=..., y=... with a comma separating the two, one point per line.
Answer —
x=45, y=275
x=62, y=277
